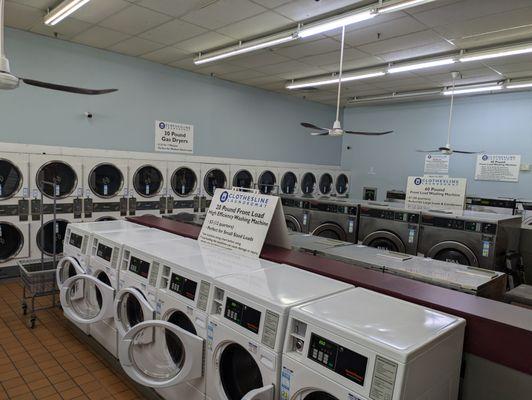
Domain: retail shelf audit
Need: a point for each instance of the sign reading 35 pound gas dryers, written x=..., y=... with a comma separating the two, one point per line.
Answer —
x=171, y=137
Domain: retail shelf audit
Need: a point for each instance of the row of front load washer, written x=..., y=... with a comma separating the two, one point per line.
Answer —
x=196, y=322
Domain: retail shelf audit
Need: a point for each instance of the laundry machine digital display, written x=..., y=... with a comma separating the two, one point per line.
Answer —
x=75, y=240
x=243, y=315
x=339, y=359
x=184, y=181
x=148, y=181
x=139, y=267
x=104, y=252
x=183, y=286
x=10, y=179
x=289, y=183
x=106, y=180
x=56, y=179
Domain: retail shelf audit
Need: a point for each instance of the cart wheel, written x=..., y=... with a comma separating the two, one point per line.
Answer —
x=24, y=308
x=31, y=322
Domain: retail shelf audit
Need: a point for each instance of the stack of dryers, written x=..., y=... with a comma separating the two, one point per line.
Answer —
x=147, y=187
x=474, y=238
x=288, y=182
x=14, y=209
x=178, y=335
x=389, y=227
x=359, y=344
x=297, y=213
x=58, y=177
x=76, y=255
x=214, y=176
x=106, y=187
x=183, y=187
x=309, y=182
x=334, y=219
x=94, y=308
x=243, y=176
x=247, y=321
x=268, y=181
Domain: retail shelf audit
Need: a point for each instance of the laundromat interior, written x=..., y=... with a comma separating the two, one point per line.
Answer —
x=266, y=199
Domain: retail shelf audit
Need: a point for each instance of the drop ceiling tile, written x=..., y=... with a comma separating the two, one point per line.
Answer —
x=67, y=29
x=100, y=37
x=172, y=32
x=135, y=46
x=175, y=8
x=284, y=67
x=334, y=56
x=22, y=17
x=205, y=41
x=96, y=11
x=218, y=69
x=241, y=75
x=412, y=83
x=420, y=51
x=367, y=61
x=309, y=48
x=258, y=59
x=301, y=73
x=404, y=42
x=299, y=10
x=165, y=55
x=223, y=12
x=134, y=20
x=254, y=26
x=271, y=3
x=186, y=63
x=40, y=4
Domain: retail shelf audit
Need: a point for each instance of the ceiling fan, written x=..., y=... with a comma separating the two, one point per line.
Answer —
x=336, y=129
x=9, y=81
x=447, y=149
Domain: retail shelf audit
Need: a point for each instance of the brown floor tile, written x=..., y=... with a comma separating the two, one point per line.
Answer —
x=71, y=393
x=44, y=392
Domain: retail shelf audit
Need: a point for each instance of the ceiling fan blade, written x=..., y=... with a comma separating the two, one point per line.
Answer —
x=63, y=88
x=368, y=133
x=466, y=152
x=312, y=126
x=325, y=133
x=428, y=151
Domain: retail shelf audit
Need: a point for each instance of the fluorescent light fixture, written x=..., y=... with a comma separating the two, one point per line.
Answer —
x=519, y=85
x=63, y=10
x=420, y=65
x=496, y=53
x=396, y=95
x=332, y=80
x=241, y=49
x=338, y=22
x=403, y=5
x=476, y=89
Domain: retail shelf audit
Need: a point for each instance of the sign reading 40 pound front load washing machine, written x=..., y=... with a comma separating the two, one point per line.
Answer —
x=436, y=193
x=243, y=221
x=498, y=167
x=171, y=137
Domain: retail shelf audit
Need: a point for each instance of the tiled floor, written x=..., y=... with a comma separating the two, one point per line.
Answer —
x=50, y=362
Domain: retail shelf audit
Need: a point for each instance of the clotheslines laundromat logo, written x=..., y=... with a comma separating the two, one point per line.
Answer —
x=244, y=198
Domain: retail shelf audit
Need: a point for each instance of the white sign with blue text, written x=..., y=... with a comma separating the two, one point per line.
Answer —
x=243, y=221
x=437, y=164
x=436, y=193
x=498, y=167
x=172, y=137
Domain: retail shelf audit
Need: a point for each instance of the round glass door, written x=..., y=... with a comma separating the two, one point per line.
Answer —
x=67, y=267
x=11, y=241
x=45, y=237
x=319, y=395
x=308, y=182
x=243, y=179
x=10, y=179
x=56, y=178
x=288, y=183
x=342, y=184
x=88, y=306
x=183, y=181
x=292, y=223
x=330, y=231
x=453, y=256
x=383, y=244
x=214, y=179
x=106, y=180
x=148, y=181
x=326, y=182
x=233, y=360
x=267, y=182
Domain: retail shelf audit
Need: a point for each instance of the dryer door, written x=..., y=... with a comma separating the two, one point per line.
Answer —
x=292, y=223
x=95, y=303
x=315, y=394
x=130, y=309
x=69, y=267
x=384, y=240
x=454, y=252
x=330, y=230
x=173, y=356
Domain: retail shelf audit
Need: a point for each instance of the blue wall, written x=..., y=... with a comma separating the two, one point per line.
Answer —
x=497, y=124
x=230, y=120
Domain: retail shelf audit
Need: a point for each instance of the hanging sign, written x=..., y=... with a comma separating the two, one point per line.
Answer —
x=436, y=193
x=498, y=167
x=171, y=137
x=243, y=221
x=437, y=164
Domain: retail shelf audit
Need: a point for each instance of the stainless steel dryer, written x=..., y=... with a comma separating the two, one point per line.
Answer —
x=296, y=213
x=334, y=219
x=474, y=238
x=388, y=226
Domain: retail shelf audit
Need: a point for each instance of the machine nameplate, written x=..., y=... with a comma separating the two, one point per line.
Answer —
x=271, y=324
x=383, y=381
x=203, y=298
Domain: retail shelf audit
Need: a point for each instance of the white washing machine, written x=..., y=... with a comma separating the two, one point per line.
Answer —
x=308, y=182
x=243, y=176
x=184, y=291
x=214, y=176
x=341, y=184
x=289, y=182
x=247, y=323
x=268, y=180
x=14, y=244
x=60, y=176
x=326, y=183
x=147, y=187
x=105, y=182
x=183, y=187
x=363, y=345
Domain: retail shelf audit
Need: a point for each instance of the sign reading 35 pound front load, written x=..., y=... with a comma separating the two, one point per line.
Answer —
x=171, y=137
x=243, y=221
x=436, y=193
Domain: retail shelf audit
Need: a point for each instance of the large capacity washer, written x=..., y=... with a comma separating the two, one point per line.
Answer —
x=247, y=323
x=475, y=239
x=296, y=213
x=360, y=344
x=389, y=227
x=334, y=220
